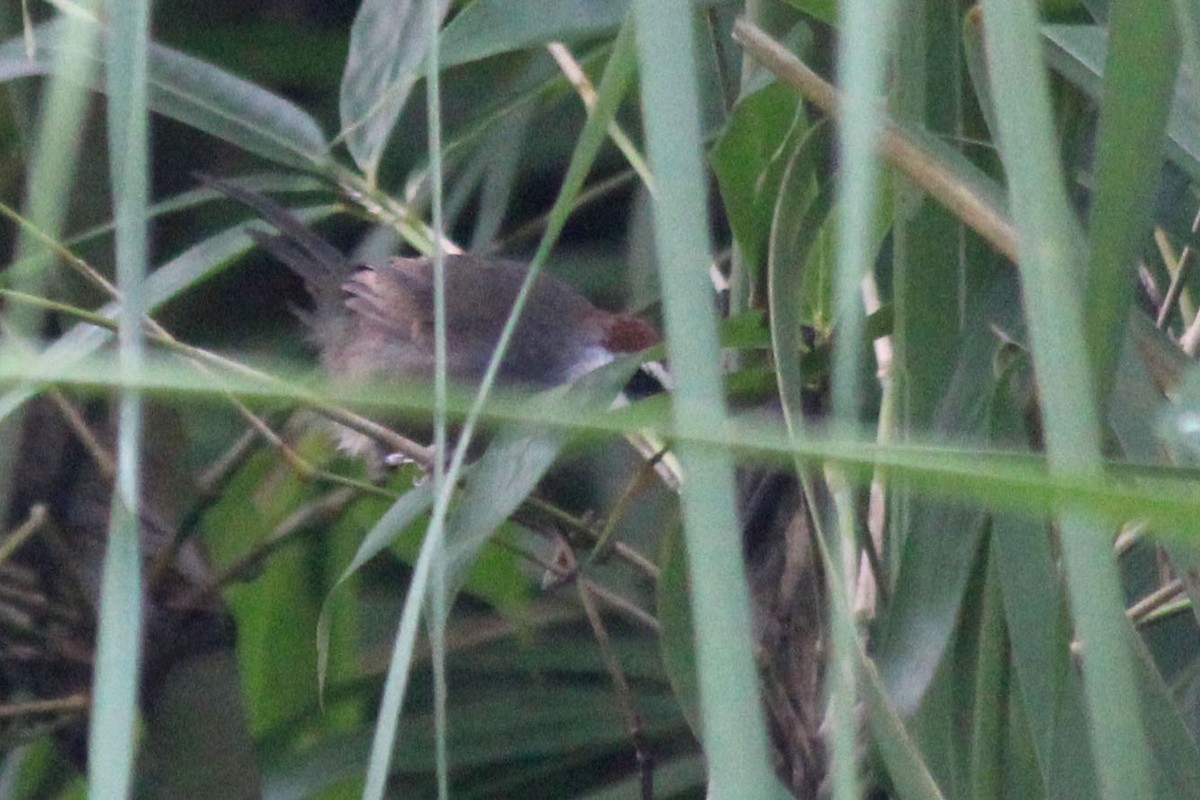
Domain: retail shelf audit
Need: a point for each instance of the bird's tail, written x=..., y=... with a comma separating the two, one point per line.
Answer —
x=319, y=263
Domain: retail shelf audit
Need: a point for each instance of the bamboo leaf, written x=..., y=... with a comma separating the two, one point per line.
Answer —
x=197, y=94
x=388, y=44
x=489, y=27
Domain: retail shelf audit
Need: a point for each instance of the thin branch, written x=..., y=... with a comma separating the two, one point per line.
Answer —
x=633, y=720
x=72, y=703
x=33, y=523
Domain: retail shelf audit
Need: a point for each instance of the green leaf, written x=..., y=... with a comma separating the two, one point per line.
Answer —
x=383, y=533
x=824, y=10
x=992, y=686
x=515, y=462
x=1139, y=78
x=198, y=94
x=1176, y=757
x=798, y=222
x=905, y=766
x=734, y=729
x=1050, y=268
x=749, y=160
x=115, y=689
x=188, y=269
x=1079, y=53
x=674, y=613
x=940, y=540
x=488, y=27
x=388, y=44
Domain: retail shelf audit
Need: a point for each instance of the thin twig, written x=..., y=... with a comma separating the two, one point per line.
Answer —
x=78, y=702
x=1164, y=594
x=534, y=227
x=1178, y=276
x=32, y=524
x=83, y=431
x=633, y=720
x=613, y=600
x=534, y=506
x=587, y=93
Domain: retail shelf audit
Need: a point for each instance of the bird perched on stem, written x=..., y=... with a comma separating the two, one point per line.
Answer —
x=375, y=322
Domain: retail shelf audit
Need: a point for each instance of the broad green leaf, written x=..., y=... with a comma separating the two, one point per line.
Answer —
x=940, y=540
x=1187, y=16
x=488, y=27
x=906, y=768
x=992, y=687
x=824, y=10
x=404, y=512
x=1079, y=53
x=1040, y=636
x=1021, y=776
x=932, y=272
x=1139, y=79
x=1176, y=757
x=749, y=160
x=275, y=612
x=388, y=44
x=200, y=95
x=940, y=380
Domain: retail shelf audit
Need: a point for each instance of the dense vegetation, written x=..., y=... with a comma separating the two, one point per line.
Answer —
x=935, y=535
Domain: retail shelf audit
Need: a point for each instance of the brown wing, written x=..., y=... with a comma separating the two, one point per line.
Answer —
x=397, y=296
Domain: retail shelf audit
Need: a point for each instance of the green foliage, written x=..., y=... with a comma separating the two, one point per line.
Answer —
x=986, y=428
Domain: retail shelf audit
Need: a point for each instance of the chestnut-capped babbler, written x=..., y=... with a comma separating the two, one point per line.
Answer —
x=375, y=321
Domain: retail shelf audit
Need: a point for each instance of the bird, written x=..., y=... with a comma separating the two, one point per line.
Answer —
x=375, y=322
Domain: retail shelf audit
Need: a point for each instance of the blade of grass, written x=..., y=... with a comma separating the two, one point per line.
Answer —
x=866, y=39
x=53, y=166
x=1050, y=272
x=1166, y=498
x=1079, y=52
x=734, y=735
x=1139, y=83
x=440, y=599
x=111, y=743
x=189, y=90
